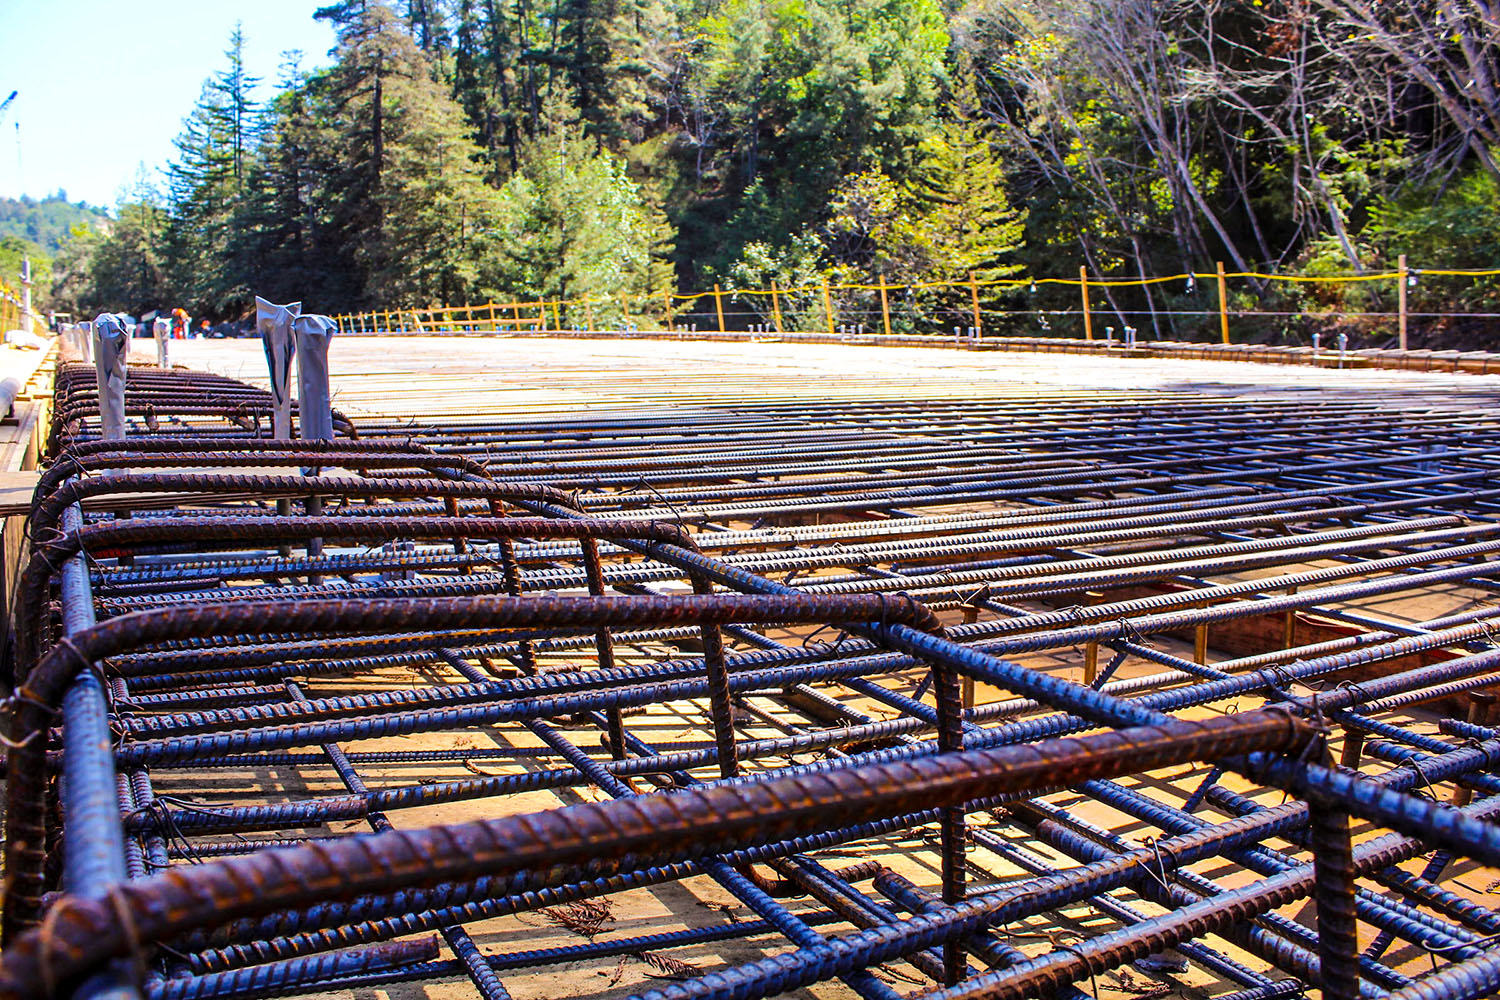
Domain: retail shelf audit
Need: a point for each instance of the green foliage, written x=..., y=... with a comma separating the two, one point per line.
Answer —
x=799, y=94
x=1457, y=225
x=127, y=268
x=1325, y=257
x=458, y=149
x=948, y=221
x=14, y=249
x=207, y=183
x=403, y=176
x=73, y=272
x=47, y=222
x=795, y=269
x=434, y=203
x=570, y=223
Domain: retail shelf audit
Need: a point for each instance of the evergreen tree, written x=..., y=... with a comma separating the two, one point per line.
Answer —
x=960, y=217
x=812, y=92
x=435, y=205
x=610, y=53
x=495, y=86
x=127, y=269
x=428, y=27
x=277, y=219
x=571, y=224
x=342, y=13
x=402, y=193
x=206, y=183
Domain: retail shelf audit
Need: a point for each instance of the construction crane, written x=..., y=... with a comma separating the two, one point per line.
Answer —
x=4, y=108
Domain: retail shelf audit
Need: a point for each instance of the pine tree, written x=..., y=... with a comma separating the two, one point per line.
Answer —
x=496, y=89
x=428, y=27
x=278, y=221
x=206, y=184
x=435, y=204
x=571, y=224
x=342, y=13
x=960, y=215
x=402, y=193
x=607, y=50
x=948, y=219
x=127, y=271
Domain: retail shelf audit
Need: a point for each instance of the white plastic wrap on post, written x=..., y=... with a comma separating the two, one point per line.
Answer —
x=86, y=341
x=111, y=348
x=275, y=325
x=162, y=331
x=314, y=400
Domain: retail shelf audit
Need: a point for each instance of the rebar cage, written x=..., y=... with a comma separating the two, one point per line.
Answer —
x=926, y=698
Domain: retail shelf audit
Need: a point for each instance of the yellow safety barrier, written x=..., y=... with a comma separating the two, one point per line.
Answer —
x=666, y=305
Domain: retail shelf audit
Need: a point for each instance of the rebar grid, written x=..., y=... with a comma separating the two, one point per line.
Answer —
x=903, y=681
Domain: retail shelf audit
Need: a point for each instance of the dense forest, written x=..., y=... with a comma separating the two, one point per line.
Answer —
x=466, y=150
x=44, y=224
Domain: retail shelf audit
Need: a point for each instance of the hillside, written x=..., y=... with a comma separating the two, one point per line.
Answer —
x=45, y=222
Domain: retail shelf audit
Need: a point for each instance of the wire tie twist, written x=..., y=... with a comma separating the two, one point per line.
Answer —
x=1131, y=634
x=23, y=695
x=11, y=744
x=166, y=825
x=1160, y=873
x=1356, y=691
x=57, y=534
x=86, y=664
x=1093, y=978
x=1318, y=745
x=1487, y=630
x=1446, y=949
x=1416, y=765
x=1280, y=684
x=1318, y=721
x=656, y=493
x=914, y=609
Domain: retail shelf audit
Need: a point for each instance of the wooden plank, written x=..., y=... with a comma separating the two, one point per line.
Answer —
x=15, y=492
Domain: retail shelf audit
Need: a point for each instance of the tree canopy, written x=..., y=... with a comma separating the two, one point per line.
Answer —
x=456, y=150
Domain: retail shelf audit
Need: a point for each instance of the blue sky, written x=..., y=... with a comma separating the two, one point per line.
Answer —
x=105, y=84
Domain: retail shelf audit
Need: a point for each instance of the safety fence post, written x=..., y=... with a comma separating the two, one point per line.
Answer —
x=1088, y=320
x=974, y=301
x=1223, y=305
x=1401, y=296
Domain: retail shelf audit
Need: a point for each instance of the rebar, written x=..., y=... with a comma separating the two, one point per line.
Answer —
x=725, y=650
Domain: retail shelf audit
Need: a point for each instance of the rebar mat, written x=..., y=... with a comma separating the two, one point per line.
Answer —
x=1040, y=694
